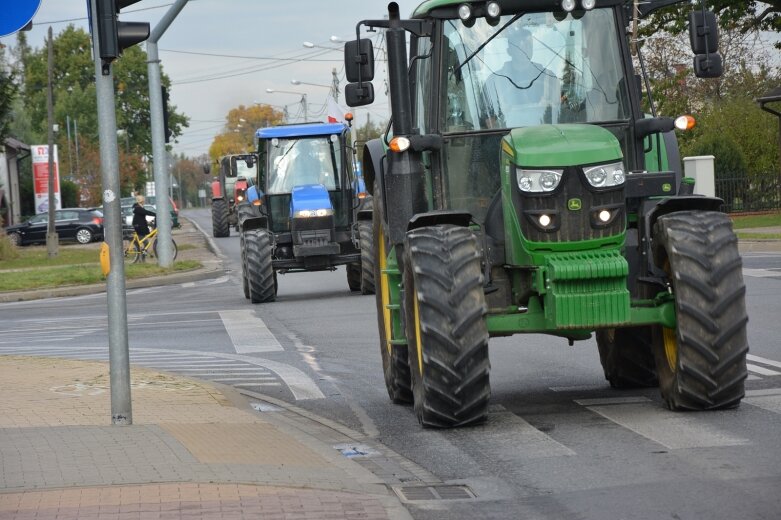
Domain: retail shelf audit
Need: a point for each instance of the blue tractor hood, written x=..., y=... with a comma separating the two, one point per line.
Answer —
x=310, y=197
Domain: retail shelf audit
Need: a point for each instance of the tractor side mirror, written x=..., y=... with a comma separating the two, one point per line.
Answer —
x=704, y=40
x=359, y=70
x=249, y=161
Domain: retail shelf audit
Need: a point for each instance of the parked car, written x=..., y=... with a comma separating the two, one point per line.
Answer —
x=80, y=224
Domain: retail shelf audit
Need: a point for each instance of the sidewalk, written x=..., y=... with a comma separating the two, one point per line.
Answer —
x=194, y=450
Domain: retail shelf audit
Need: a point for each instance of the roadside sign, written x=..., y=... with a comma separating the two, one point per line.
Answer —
x=40, y=159
x=16, y=15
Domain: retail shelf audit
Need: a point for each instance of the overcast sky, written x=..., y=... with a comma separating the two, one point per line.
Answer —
x=250, y=29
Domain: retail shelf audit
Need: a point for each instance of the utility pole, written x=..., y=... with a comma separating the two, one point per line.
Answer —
x=52, y=240
x=165, y=250
x=109, y=38
x=335, y=84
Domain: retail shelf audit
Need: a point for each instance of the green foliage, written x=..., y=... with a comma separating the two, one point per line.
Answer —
x=69, y=194
x=8, y=251
x=747, y=15
x=8, y=91
x=729, y=162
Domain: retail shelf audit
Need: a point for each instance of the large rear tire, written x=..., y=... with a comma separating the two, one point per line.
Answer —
x=627, y=358
x=702, y=362
x=260, y=272
x=220, y=225
x=244, y=279
x=444, y=310
x=395, y=358
x=366, y=239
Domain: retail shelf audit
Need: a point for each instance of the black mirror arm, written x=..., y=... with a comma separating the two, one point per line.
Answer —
x=652, y=125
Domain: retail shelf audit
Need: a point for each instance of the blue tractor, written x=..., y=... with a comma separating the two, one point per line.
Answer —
x=308, y=211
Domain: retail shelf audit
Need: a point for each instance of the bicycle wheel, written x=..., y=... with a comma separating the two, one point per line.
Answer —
x=131, y=251
x=176, y=250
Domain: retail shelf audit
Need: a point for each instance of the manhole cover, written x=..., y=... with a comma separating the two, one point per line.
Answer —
x=444, y=492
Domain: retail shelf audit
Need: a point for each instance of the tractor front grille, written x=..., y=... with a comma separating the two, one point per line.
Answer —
x=573, y=207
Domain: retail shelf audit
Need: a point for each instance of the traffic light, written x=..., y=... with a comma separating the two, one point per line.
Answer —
x=115, y=36
x=166, y=126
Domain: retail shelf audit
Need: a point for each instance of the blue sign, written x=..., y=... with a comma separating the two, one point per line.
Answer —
x=16, y=15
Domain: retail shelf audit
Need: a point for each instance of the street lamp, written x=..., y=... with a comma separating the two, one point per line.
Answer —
x=333, y=39
x=302, y=94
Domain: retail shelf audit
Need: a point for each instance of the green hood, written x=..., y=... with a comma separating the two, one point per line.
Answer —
x=559, y=146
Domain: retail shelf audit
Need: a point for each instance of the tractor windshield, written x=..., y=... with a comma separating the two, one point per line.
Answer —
x=306, y=160
x=532, y=69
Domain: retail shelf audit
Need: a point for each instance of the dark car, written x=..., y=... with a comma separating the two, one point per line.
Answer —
x=79, y=224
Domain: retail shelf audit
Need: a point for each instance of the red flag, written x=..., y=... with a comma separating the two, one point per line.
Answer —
x=335, y=112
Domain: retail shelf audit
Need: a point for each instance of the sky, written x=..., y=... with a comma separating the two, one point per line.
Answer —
x=205, y=87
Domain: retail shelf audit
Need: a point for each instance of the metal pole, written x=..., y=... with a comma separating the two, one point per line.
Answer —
x=76, y=140
x=119, y=357
x=303, y=102
x=70, y=155
x=165, y=250
x=52, y=240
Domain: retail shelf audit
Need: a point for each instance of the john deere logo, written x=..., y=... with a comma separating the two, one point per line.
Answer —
x=667, y=187
x=574, y=204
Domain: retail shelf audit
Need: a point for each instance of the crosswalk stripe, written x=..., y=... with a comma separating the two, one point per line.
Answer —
x=248, y=333
x=762, y=371
x=767, y=398
x=671, y=430
x=764, y=361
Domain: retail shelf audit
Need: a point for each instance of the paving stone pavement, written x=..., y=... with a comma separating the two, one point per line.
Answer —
x=194, y=450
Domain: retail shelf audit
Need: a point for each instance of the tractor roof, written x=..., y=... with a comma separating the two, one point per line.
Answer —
x=304, y=130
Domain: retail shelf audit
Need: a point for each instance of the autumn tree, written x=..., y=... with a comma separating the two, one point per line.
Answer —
x=238, y=134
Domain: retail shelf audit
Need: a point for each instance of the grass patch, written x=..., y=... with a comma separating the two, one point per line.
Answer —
x=30, y=257
x=755, y=221
x=83, y=274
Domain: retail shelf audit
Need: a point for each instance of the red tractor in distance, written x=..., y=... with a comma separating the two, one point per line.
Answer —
x=229, y=188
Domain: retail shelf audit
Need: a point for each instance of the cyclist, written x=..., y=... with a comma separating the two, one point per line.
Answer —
x=139, y=217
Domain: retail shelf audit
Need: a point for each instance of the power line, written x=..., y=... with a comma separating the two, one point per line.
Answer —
x=269, y=58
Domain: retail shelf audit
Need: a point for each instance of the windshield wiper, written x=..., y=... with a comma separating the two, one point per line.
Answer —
x=482, y=45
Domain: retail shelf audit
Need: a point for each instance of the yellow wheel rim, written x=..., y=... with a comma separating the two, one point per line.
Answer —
x=670, y=347
x=668, y=335
x=384, y=289
x=418, y=346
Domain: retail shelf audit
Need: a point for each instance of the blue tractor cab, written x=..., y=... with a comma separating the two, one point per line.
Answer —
x=307, y=197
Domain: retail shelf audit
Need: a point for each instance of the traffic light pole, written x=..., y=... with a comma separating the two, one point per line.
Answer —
x=119, y=357
x=165, y=250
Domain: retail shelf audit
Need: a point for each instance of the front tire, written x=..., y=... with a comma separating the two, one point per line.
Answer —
x=444, y=309
x=244, y=279
x=260, y=272
x=220, y=224
x=354, y=277
x=395, y=357
x=366, y=240
x=702, y=362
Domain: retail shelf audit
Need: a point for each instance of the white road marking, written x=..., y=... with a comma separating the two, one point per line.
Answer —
x=764, y=361
x=579, y=388
x=259, y=378
x=257, y=384
x=508, y=429
x=753, y=378
x=760, y=273
x=768, y=399
x=674, y=431
x=763, y=392
x=612, y=400
x=248, y=333
x=762, y=371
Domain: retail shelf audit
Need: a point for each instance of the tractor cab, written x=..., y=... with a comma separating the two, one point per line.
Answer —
x=236, y=174
x=306, y=200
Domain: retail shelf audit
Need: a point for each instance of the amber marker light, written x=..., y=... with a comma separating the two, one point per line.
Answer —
x=399, y=144
x=686, y=122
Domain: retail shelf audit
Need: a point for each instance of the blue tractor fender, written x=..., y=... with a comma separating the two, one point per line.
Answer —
x=310, y=200
x=253, y=194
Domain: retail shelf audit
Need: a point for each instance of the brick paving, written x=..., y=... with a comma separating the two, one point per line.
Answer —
x=194, y=451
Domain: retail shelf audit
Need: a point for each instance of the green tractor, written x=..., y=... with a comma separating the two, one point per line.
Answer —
x=521, y=189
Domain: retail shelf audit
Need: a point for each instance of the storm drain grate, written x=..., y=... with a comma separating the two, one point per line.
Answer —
x=445, y=492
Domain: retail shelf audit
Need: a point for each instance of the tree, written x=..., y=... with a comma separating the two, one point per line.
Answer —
x=745, y=15
x=241, y=123
x=8, y=91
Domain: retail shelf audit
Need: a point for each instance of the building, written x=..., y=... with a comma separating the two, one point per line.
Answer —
x=11, y=152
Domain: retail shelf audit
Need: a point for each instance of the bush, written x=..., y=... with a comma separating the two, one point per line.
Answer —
x=8, y=250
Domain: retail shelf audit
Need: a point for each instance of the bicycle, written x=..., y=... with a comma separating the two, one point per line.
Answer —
x=137, y=249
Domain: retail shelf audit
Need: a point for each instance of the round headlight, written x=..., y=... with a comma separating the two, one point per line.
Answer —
x=596, y=176
x=618, y=176
x=604, y=215
x=465, y=12
x=588, y=4
x=548, y=181
x=568, y=5
x=525, y=183
x=493, y=10
x=544, y=220
x=321, y=212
